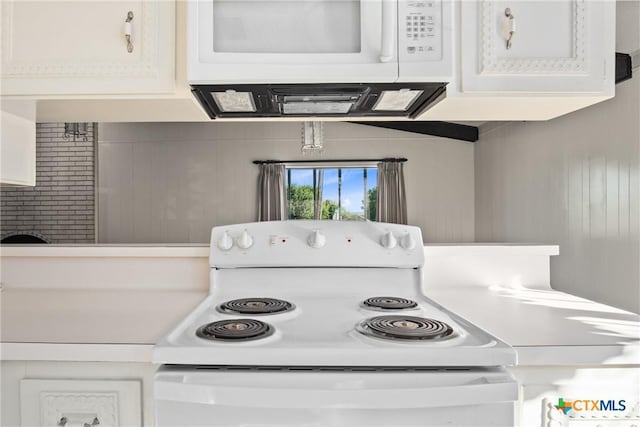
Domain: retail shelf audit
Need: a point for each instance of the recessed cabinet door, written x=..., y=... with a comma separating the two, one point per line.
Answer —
x=18, y=143
x=557, y=46
x=79, y=47
x=80, y=402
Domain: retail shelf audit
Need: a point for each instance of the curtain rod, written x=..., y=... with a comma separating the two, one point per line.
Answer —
x=386, y=159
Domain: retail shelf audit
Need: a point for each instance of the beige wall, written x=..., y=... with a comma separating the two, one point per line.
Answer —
x=572, y=181
x=627, y=26
x=171, y=182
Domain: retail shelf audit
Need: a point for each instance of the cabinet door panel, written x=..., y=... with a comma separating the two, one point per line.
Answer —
x=557, y=46
x=75, y=402
x=79, y=47
x=18, y=143
x=71, y=34
x=543, y=29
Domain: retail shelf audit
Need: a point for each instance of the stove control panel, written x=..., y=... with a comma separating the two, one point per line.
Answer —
x=309, y=243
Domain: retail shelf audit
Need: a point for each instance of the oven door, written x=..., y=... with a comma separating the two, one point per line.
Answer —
x=318, y=397
x=292, y=41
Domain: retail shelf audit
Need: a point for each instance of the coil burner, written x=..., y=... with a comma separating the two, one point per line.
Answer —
x=389, y=303
x=235, y=330
x=254, y=306
x=404, y=328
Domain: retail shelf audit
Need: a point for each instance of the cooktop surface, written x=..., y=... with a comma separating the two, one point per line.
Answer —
x=326, y=316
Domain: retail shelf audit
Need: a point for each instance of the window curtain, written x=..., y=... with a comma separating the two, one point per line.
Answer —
x=272, y=199
x=392, y=200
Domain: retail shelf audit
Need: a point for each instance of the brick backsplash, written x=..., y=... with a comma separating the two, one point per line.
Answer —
x=61, y=207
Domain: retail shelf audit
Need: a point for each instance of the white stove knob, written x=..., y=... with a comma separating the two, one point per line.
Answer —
x=317, y=239
x=388, y=240
x=244, y=241
x=225, y=242
x=407, y=242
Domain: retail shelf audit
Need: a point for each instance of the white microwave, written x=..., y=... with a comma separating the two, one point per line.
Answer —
x=319, y=41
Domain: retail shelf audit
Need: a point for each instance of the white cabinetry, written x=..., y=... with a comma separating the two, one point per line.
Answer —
x=541, y=387
x=557, y=46
x=73, y=47
x=561, y=59
x=67, y=403
x=18, y=143
x=42, y=393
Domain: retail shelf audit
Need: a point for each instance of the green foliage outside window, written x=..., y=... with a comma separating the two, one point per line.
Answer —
x=372, y=195
x=332, y=194
x=300, y=201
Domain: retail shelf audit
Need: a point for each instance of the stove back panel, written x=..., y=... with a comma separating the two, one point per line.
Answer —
x=302, y=243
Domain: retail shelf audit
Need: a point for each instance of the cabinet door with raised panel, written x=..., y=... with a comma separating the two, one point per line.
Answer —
x=79, y=47
x=555, y=46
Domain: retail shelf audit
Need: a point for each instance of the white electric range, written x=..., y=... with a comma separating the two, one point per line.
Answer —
x=325, y=323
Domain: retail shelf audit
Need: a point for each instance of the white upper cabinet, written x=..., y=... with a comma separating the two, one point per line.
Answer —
x=79, y=47
x=557, y=46
x=18, y=143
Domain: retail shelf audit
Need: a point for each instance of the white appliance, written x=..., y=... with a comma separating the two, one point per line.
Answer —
x=325, y=323
x=319, y=58
x=319, y=41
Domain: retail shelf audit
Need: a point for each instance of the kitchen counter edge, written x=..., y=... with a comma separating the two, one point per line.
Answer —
x=584, y=356
x=202, y=250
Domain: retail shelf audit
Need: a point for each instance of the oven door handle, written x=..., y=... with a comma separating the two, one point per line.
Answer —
x=480, y=391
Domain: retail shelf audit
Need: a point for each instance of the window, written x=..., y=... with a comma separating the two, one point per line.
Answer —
x=344, y=193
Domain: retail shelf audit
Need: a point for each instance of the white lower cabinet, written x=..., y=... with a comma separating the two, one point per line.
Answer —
x=86, y=403
x=556, y=46
x=544, y=388
x=76, y=394
x=72, y=47
x=38, y=393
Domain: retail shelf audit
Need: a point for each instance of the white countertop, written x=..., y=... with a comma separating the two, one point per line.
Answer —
x=121, y=299
x=119, y=251
x=489, y=249
x=545, y=327
x=93, y=325
x=549, y=327
x=202, y=250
